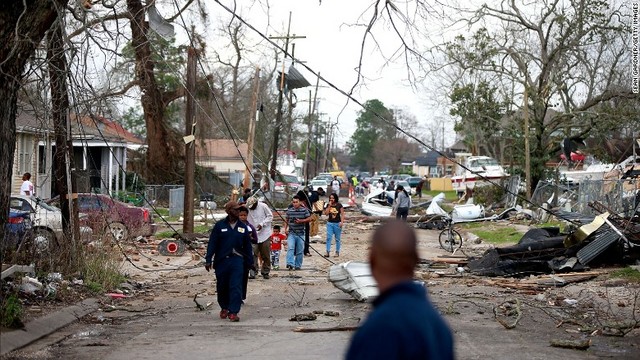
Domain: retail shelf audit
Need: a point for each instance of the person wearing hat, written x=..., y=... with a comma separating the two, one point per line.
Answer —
x=229, y=253
x=260, y=216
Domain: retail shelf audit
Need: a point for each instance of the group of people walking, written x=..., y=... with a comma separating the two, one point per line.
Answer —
x=246, y=242
x=246, y=238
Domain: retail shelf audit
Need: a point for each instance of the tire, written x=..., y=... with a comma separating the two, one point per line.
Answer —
x=450, y=242
x=117, y=231
x=43, y=239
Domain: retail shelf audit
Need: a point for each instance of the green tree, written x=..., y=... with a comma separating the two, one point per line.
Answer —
x=170, y=64
x=374, y=122
x=480, y=114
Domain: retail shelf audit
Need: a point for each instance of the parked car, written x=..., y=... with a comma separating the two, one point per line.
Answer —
x=413, y=181
x=324, y=176
x=107, y=215
x=397, y=177
x=318, y=183
x=46, y=219
x=406, y=186
x=287, y=183
x=16, y=229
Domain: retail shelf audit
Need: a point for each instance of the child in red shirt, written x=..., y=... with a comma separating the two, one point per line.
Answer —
x=277, y=240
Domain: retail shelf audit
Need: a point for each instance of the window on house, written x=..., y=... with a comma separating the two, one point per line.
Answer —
x=24, y=156
x=42, y=159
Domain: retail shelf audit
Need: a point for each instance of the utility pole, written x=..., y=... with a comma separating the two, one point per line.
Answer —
x=527, y=156
x=276, y=133
x=317, y=144
x=442, y=149
x=312, y=110
x=190, y=143
x=327, y=144
x=252, y=130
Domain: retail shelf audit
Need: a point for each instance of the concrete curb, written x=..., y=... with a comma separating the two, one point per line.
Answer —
x=44, y=326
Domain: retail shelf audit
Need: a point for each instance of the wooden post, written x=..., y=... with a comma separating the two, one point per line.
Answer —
x=248, y=171
x=190, y=143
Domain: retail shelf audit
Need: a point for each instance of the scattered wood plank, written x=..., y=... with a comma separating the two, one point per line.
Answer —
x=451, y=261
x=545, y=281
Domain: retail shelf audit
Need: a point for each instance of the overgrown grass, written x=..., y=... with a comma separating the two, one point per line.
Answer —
x=167, y=218
x=10, y=311
x=448, y=195
x=493, y=235
x=627, y=273
x=162, y=211
x=102, y=269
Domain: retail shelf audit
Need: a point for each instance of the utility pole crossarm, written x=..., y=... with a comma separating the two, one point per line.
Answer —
x=276, y=132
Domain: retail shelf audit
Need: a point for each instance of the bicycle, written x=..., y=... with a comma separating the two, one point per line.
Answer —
x=449, y=238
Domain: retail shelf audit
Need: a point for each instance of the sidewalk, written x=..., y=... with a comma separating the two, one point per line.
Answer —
x=44, y=326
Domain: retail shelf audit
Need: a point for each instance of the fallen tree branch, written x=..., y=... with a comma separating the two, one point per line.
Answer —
x=120, y=308
x=329, y=329
x=517, y=310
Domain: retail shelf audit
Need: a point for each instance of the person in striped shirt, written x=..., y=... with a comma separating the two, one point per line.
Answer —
x=297, y=216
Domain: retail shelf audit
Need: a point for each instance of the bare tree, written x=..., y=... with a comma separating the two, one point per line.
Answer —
x=24, y=25
x=563, y=54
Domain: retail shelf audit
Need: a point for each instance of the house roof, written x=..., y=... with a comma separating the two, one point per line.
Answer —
x=101, y=128
x=85, y=127
x=222, y=149
x=428, y=159
x=459, y=146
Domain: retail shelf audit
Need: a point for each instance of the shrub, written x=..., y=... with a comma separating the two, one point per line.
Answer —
x=10, y=311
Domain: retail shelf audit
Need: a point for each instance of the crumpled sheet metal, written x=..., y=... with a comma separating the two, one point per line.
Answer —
x=355, y=279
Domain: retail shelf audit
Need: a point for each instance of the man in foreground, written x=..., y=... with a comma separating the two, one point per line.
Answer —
x=230, y=247
x=404, y=324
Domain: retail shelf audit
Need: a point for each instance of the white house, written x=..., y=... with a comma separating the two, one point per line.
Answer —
x=99, y=150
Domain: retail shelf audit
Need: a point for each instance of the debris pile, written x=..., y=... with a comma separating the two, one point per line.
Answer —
x=602, y=239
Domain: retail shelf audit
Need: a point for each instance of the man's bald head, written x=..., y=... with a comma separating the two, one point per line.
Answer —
x=394, y=253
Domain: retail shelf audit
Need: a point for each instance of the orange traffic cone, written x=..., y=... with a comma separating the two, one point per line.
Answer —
x=352, y=197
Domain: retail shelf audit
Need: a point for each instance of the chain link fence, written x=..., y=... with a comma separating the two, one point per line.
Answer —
x=619, y=196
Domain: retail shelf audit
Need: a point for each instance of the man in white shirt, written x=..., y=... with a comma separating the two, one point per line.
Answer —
x=260, y=216
x=335, y=186
x=27, y=186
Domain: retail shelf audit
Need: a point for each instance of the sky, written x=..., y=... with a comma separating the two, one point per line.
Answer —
x=332, y=47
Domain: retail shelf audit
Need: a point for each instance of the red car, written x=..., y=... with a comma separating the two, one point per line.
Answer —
x=107, y=215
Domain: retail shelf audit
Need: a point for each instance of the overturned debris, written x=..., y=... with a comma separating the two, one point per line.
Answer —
x=603, y=239
x=355, y=279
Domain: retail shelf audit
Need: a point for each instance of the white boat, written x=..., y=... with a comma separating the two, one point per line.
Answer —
x=591, y=172
x=478, y=170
